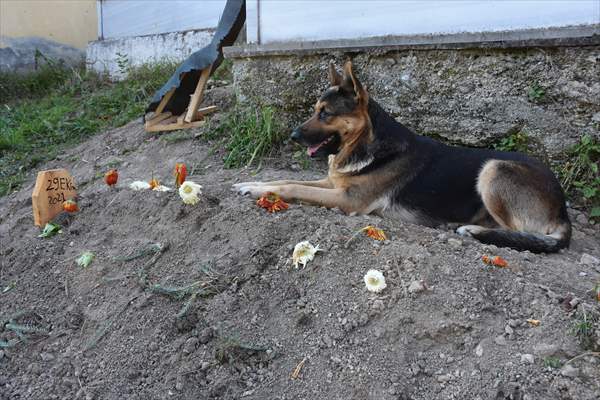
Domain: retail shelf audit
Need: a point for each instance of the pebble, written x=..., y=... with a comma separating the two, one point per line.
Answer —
x=500, y=340
x=581, y=219
x=416, y=287
x=190, y=345
x=377, y=305
x=205, y=335
x=527, y=359
x=46, y=357
x=569, y=371
x=444, y=378
x=479, y=350
x=455, y=243
x=588, y=259
x=546, y=350
x=153, y=346
x=509, y=331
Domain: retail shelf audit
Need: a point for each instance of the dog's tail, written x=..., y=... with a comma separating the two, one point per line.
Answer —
x=534, y=242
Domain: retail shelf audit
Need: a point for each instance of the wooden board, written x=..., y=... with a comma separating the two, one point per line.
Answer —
x=52, y=188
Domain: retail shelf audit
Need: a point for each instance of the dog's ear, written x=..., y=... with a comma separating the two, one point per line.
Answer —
x=334, y=77
x=350, y=82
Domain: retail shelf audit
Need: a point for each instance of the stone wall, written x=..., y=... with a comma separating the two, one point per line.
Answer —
x=466, y=96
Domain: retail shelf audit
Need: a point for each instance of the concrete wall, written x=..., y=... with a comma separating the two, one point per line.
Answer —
x=126, y=18
x=466, y=96
x=104, y=56
x=307, y=20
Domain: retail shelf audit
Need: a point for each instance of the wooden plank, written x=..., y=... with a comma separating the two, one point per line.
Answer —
x=207, y=110
x=52, y=188
x=158, y=118
x=197, y=96
x=175, y=126
x=165, y=100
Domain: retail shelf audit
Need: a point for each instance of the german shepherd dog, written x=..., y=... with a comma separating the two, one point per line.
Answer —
x=377, y=165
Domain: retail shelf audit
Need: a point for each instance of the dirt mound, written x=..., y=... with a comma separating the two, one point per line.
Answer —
x=189, y=302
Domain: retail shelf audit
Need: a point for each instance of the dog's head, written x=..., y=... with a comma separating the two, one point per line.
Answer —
x=340, y=118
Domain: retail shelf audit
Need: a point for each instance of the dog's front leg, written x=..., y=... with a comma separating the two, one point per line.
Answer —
x=325, y=197
x=321, y=183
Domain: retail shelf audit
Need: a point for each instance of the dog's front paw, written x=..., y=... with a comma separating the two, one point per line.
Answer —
x=253, y=191
x=469, y=230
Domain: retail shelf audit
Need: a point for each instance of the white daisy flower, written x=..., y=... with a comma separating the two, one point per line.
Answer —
x=375, y=281
x=303, y=253
x=189, y=191
x=139, y=185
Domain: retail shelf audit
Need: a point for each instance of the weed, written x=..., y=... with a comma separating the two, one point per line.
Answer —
x=584, y=328
x=518, y=141
x=301, y=158
x=223, y=73
x=536, y=93
x=582, y=173
x=77, y=104
x=249, y=135
x=552, y=362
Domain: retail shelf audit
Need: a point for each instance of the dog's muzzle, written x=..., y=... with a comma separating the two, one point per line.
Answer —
x=296, y=135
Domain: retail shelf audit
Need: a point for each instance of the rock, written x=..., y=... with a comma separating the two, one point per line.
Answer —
x=1, y=354
x=545, y=350
x=444, y=378
x=569, y=371
x=527, y=359
x=190, y=345
x=587, y=259
x=205, y=365
x=416, y=287
x=500, y=340
x=46, y=357
x=205, y=335
x=581, y=219
x=378, y=305
x=455, y=243
x=479, y=350
x=153, y=346
x=509, y=331
x=513, y=323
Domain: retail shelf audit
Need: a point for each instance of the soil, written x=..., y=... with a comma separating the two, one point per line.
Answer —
x=118, y=330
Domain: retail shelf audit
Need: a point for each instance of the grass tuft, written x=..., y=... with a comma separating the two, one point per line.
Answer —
x=248, y=135
x=43, y=112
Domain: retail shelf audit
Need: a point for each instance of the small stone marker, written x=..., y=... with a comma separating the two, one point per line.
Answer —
x=52, y=188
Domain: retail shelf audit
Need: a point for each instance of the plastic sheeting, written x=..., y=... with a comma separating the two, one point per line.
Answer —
x=185, y=79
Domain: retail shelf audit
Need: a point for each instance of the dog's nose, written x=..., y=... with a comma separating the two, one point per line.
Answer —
x=296, y=135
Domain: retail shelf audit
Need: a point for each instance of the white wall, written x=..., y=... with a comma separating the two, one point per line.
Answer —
x=122, y=18
x=303, y=20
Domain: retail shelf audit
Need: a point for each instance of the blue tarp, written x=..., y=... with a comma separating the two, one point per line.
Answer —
x=230, y=25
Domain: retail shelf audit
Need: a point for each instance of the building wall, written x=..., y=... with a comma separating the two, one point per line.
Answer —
x=474, y=97
x=68, y=22
x=127, y=18
x=272, y=21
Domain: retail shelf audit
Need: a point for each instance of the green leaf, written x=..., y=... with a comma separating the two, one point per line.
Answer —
x=595, y=213
x=50, y=230
x=85, y=259
x=589, y=192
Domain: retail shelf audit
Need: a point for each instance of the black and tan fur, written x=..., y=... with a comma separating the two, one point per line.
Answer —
x=376, y=165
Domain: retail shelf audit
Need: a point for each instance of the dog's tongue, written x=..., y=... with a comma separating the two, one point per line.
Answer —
x=312, y=149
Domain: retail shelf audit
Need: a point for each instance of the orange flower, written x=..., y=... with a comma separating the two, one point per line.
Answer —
x=154, y=183
x=111, y=177
x=496, y=261
x=272, y=202
x=374, y=233
x=70, y=206
x=180, y=174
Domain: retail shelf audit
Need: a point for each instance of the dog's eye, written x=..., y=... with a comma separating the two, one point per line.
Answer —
x=323, y=114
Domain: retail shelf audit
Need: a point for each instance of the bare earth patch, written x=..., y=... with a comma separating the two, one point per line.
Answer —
x=109, y=332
